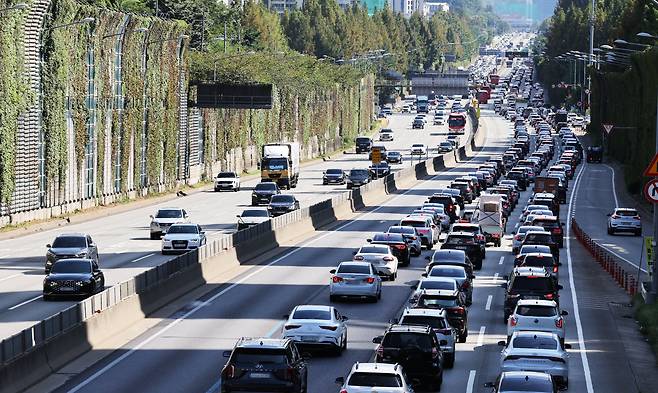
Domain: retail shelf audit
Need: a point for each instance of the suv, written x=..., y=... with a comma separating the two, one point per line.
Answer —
x=529, y=283
x=263, y=193
x=624, y=220
x=264, y=365
x=438, y=321
x=363, y=144
x=416, y=349
x=467, y=242
x=537, y=315
x=164, y=218
x=448, y=202
x=553, y=225
x=71, y=245
x=475, y=229
x=595, y=154
x=533, y=238
x=453, y=302
x=227, y=180
x=370, y=377
x=396, y=243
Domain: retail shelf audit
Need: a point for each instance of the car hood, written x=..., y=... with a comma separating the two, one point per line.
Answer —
x=168, y=220
x=264, y=192
x=181, y=236
x=68, y=276
x=358, y=178
x=282, y=204
x=67, y=251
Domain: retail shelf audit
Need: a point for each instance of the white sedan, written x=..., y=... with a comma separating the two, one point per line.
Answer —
x=381, y=257
x=181, y=238
x=418, y=149
x=317, y=326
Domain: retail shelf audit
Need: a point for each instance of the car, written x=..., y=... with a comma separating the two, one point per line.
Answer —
x=445, y=147
x=425, y=227
x=440, y=208
x=251, y=217
x=536, y=351
x=416, y=349
x=396, y=243
x=452, y=302
x=381, y=257
x=263, y=193
x=69, y=246
x=182, y=238
x=355, y=279
x=73, y=277
x=464, y=188
x=523, y=381
x=459, y=274
x=394, y=157
x=386, y=135
x=594, y=154
x=435, y=282
x=282, y=204
x=454, y=139
x=371, y=377
x=418, y=123
x=542, y=238
x=529, y=283
x=316, y=326
x=438, y=120
x=164, y=218
x=518, y=237
x=450, y=257
x=550, y=223
x=418, y=149
x=333, y=176
x=624, y=219
x=379, y=170
x=227, y=180
x=467, y=242
x=357, y=178
x=410, y=236
x=540, y=260
x=475, y=229
x=438, y=321
x=363, y=144
x=450, y=205
x=264, y=365
x=537, y=315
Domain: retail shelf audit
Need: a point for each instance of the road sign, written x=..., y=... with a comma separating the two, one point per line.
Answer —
x=648, y=246
x=651, y=191
x=652, y=169
x=376, y=155
x=608, y=128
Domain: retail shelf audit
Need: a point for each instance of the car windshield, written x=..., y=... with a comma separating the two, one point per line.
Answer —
x=251, y=356
x=71, y=267
x=423, y=320
x=442, y=271
x=404, y=230
x=70, y=242
x=334, y=171
x=275, y=164
x=353, y=269
x=413, y=223
x=393, y=153
x=227, y=175
x=460, y=240
x=534, y=342
x=379, y=380
x=530, y=283
x=407, y=340
x=169, y=213
x=374, y=250
x=265, y=186
x=445, y=144
x=359, y=173
x=183, y=229
x=312, y=314
x=432, y=284
x=536, y=311
x=429, y=301
x=254, y=213
x=281, y=198
x=531, y=385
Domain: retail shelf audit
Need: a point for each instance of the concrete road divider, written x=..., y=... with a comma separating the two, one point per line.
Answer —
x=36, y=352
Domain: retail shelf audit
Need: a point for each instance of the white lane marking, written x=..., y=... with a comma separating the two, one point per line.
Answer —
x=142, y=257
x=614, y=189
x=495, y=278
x=574, y=297
x=24, y=303
x=471, y=381
x=175, y=322
x=215, y=387
x=626, y=260
x=501, y=260
x=10, y=277
x=489, y=300
x=481, y=336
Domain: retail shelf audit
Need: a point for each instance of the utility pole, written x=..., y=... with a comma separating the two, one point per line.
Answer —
x=224, y=35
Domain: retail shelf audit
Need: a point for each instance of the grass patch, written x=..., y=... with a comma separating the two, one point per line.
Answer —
x=647, y=316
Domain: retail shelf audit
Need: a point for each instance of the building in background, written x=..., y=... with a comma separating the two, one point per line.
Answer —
x=430, y=8
x=282, y=6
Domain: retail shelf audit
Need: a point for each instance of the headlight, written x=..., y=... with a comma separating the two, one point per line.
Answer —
x=79, y=283
x=194, y=240
x=81, y=254
x=53, y=283
x=253, y=194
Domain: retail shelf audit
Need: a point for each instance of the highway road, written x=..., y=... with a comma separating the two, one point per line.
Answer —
x=123, y=239
x=184, y=352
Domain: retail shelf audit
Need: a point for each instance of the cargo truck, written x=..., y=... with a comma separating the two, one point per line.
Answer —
x=280, y=164
x=489, y=215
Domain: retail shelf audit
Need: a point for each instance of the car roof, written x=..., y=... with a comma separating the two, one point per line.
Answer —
x=546, y=217
x=625, y=209
x=262, y=342
x=461, y=233
x=533, y=333
x=538, y=232
x=313, y=307
x=170, y=208
x=440, y=292
x=185, y=224
x=385, y=368
x=536, y=302
x=539, y=254
x=430, y=312
x=72, y=234
x=354, y=263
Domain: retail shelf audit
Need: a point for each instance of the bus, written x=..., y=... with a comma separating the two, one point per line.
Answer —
x=457, y=123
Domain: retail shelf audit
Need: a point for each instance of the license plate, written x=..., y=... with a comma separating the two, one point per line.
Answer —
x=67, y=289
x=461, y=247
x=259, y=375
x=310, y=339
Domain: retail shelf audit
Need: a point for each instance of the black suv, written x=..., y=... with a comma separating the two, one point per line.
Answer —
x=594, y=154
x=520, y=177
x=454, y=302
x=416, y=349
x=379, y=170
x=467, y=242
x=529, y=283
x=396, y=243
x=542, y=239
x=363, y=144
x=553, y=225
x=449, y=204
x=264, y=365
x=71, y=245
x=464, y=190
x=263, y=193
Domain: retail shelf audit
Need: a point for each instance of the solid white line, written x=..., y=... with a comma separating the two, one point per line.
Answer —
x=481, y=336
x=25, y=302
x=626, y=260
x=215, y=387
x=488, y=306
x=502, y=259
x=471, y=381
x=175, y=322
x=614, y=189
x=143, y=257
x=574, y=297
x=10, y=277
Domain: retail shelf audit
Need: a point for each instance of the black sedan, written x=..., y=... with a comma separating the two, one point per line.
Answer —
x=73, y=277
x=380, y=170
x=358, y=177
x=467, y=242
x=282, y=204
x=333, y=176
x=394, y=157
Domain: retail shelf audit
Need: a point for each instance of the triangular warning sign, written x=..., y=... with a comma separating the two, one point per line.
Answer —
x=608, y=128
x=652, y=169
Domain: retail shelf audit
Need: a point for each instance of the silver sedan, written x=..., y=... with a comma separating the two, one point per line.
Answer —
x=355, y=279
x=381, y=257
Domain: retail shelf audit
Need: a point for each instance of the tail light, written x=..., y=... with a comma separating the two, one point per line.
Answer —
x=230, y=371
x=358, y=258
x=466, y=285
x=557, y=230
x=480, y=237
x=370, y=280
x=559, y=323
x=496, y=235
x=452, y=207
x=332, y=328
x=517, y=237
x=549, y=296
x=457, y=310
x=513, y=321
x=615, y=216
x=380, y=351
x=388, y=259
x=336, y=279
x=344, y=391
x=289, y=327
x=401, y=246
x=555, y=269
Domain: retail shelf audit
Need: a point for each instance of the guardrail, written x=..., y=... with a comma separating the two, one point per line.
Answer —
x=608, y=261
x=35, y=352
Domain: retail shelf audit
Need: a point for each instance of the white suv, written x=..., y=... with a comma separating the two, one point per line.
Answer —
x=537, y=315
x=370, y=377
x=227, y=181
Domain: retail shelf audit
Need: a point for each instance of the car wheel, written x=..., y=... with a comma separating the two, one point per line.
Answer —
x=46, y=298
x=610, y=231
x=462, y=337
x=638, y=233
x=393, y=276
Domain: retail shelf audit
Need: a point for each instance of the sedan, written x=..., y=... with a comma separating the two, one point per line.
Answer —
x=624, y=220
x=520, y=235
x=333, y=176
x=410, y=236
x=522, y=381
x=355, y=279
x=381, y=258
x=445, y=147
x=282, y=204
x=418, y=149
x=182, y=238
x=317, y=327
x=394, y=157
x=458, y=274
x=73, y=277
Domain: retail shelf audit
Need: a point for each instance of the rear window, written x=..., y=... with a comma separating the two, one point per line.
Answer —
x=538, y=261
x=460, y=240
x=423, y=320
x=312, y=314
x=430, y=284
x=379, y=380
x=535, y=284
x=407, y=340
x=415, y=224
x=251, y=356
x=374, y=250
x=427, y=301
x=532, y=342
x=389, y=237
x=533, y=248
x=626, y=213
x=536, y=311
x=406, y=231
x=545, y=223
x=536, y=237
x=353, y=269
x=464, y=228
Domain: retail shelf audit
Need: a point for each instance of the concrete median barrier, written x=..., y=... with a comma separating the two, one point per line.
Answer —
x=35, y=353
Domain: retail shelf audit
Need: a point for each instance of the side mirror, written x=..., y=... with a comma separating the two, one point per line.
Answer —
x=443, y=342
x=227, y=354
x=340, y=380
x=564, y=312
x=151, y=216
x=559, y=287
x=344, y=318
x=424, y=275
x=502, y=343
x=286, y=316
x=238, y=216
x=332, y=271
x=48, y=246
x=567, y=346
x=377, y=340
x=369, y=240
